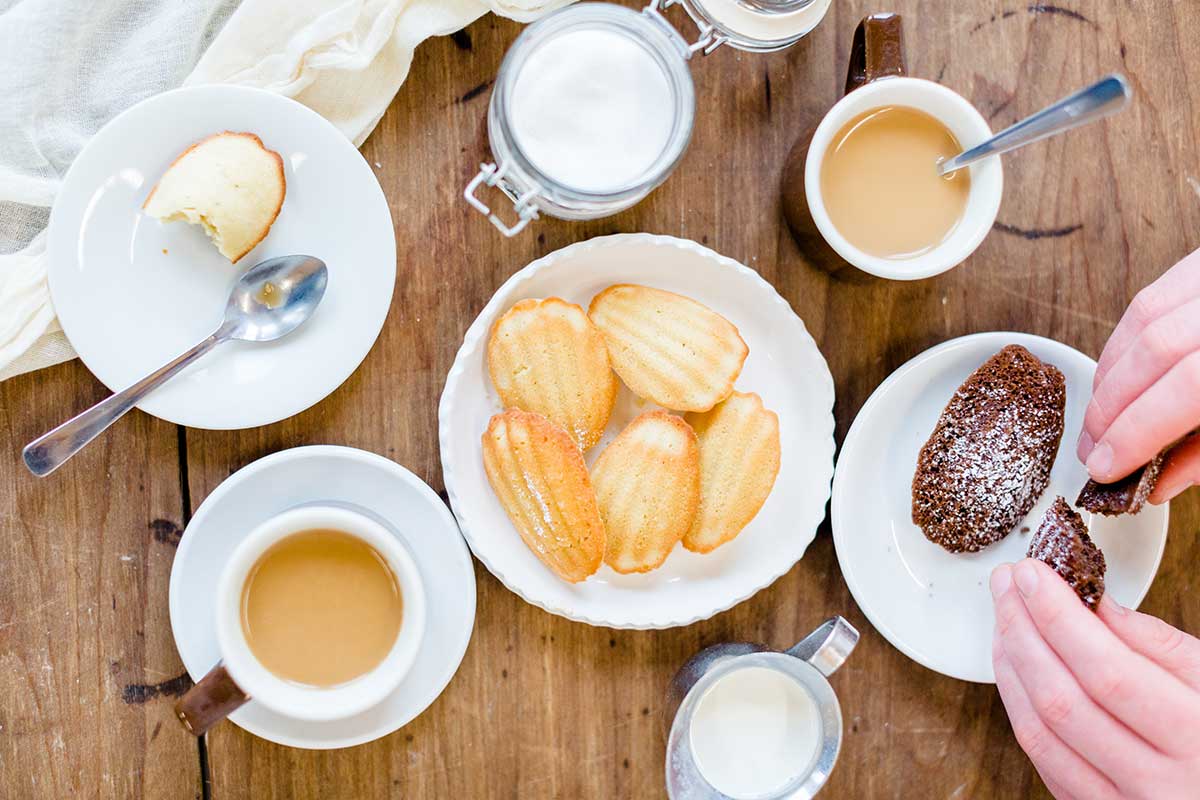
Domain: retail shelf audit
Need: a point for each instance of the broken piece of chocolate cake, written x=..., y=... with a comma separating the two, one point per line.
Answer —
x=1063, y=544
x=1126, y=496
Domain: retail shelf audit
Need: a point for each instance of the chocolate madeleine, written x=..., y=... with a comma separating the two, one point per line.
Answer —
x=1126, y=496
x=1062, y=543
x=989, y=457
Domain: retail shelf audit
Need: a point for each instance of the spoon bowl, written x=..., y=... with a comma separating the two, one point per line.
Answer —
x=274, y=297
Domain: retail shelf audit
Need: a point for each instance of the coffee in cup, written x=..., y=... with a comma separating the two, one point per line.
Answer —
x=320, y=612
x=321, y=608
x=863, y=189
x=880, y=184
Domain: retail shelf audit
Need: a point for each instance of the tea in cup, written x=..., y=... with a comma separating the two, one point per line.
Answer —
x=867, y=178
x=320, y=613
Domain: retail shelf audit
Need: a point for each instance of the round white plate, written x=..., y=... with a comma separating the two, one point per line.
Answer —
x=132, y=293
x=784, y=367
x=370, y=484
x=933, y=605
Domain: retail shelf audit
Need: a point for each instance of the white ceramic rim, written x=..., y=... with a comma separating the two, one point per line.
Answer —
x=967, y=125
x=475, y=338
x=308, y=702
x=204, y=94
x=843, y=493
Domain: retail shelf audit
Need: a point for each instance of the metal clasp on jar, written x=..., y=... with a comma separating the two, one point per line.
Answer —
x=491, y=175
x=708, y=40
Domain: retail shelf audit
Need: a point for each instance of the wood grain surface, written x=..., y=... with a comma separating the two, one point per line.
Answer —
x=544, y=707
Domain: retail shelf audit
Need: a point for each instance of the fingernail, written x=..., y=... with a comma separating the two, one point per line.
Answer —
x=1100, y=462
x=1001, y=580
x=1085, y=446
x=1026, y=577
x=1113, y=606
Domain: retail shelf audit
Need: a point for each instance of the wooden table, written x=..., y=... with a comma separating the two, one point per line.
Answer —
x=543, y=707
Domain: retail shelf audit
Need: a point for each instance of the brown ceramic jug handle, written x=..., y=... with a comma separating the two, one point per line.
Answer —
x=877, y=50
x=215, y=697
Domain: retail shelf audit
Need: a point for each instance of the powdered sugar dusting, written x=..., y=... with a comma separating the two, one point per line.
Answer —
x=989, y=457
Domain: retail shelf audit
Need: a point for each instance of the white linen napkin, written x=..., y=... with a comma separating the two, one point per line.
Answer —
x=68, y=66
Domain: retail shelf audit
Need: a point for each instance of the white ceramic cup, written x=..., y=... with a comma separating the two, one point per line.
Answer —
x=241, y=676
x=968, y=126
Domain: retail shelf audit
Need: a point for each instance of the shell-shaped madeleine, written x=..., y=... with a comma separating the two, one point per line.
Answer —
x=648, y=487
x=739, y=460
x=540, y=478
x=668, y=348
x=547, y=357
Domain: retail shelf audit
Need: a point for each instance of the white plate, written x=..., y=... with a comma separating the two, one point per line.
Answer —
x=370, y=484
x=133, y=293
x=784, y=367
x=933, y=605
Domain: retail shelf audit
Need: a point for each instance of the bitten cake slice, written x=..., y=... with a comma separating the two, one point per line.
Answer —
x=739, y=460
x=648, y=488
x=547, y=356
x=1126, y=496
x=668, y=348
x=989, y=457
x=1062, y=543
x=539, y=476
x=230, y=184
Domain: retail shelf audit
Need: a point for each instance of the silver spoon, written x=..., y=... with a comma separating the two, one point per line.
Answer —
x=269, y=301
x=1105, y=97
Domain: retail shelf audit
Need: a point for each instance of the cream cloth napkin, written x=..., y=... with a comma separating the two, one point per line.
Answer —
x=75, y=64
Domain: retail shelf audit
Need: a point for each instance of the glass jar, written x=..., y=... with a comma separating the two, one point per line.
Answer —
x=752, y=25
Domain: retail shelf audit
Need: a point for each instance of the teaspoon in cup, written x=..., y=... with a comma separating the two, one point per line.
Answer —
x=1107, y=96
x=269, y=301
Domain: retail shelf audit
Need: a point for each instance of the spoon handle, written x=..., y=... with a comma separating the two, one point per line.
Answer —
x=50, y=450
x=1107, y=96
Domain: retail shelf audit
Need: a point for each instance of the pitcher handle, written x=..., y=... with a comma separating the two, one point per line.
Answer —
x=828, y=646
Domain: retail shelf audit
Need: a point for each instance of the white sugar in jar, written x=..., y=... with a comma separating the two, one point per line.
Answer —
x=594, y=104
x=594, y=109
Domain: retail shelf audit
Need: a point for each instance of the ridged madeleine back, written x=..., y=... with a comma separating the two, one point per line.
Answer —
x=668, y=348
x=648, y=488
x=540, y=478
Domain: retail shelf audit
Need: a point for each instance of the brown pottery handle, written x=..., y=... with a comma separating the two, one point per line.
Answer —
x=215, y=697
x=877, y=50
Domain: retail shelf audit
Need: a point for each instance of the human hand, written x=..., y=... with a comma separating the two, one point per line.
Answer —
x=1146, y=393
x=1106, y=705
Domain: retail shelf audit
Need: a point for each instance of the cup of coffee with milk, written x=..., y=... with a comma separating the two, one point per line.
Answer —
x=320, y=613
x=748, y=722
x=867, y=178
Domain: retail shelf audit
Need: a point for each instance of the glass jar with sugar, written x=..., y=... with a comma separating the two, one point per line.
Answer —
x=593, y=105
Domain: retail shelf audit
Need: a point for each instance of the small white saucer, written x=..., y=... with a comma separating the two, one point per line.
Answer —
x=370, y=484
x=132, y=292
x=933, y=605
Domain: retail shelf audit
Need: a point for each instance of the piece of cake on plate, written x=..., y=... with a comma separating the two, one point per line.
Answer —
x=230, y=184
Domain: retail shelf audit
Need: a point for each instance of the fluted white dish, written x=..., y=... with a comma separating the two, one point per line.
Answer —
x=785, y=367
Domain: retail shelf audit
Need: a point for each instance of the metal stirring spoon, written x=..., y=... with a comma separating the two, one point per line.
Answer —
x=269, y=301
x=1105, y=97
